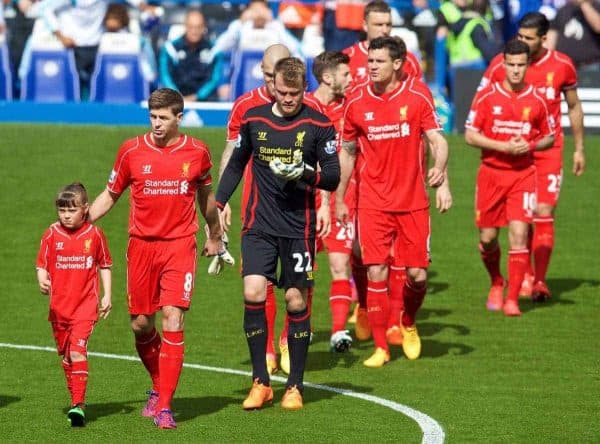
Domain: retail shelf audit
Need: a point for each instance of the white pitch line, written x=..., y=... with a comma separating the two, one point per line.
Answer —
x=433, y=433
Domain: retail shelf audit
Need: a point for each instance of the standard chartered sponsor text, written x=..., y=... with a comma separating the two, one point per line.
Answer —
x=161, y=187
x=267, y=154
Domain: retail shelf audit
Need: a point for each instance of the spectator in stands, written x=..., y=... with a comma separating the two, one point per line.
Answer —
x=186, y=64
x=116, y=19
x=469, y=37
x=78, y=25
x=338, y=35
x=256, y=29
x=576, y=32
x=18, y=28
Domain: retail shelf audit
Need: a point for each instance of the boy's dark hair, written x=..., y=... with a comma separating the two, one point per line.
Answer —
x=377, y=6
x=73, y=195
x=514, y=47
x=395, y=46
x=292, y=70
x=328, y=60
x=166, y=98
x=537, y=21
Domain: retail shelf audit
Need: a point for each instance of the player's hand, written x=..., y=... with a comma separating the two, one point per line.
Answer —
x=517, y=146
x=341, y=213
x=323, y=221
x=225, y=216
x=221, y=258
x=578, y=163
x=435, y=177
x=443, y=198
x=44, y=285
x=291, y=171
x=105, y=306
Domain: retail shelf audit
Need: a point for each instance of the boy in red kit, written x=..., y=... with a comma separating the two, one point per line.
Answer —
x=384, y=126
x=552, y=73
x=71, y=253
x=166, y=171
x=508, y=122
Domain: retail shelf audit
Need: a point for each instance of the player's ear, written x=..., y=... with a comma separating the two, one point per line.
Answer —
x=179, y=117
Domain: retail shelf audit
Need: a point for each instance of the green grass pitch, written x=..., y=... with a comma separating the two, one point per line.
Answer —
x=484, y=378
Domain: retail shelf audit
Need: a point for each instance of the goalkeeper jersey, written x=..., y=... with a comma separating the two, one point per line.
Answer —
x=277, y=206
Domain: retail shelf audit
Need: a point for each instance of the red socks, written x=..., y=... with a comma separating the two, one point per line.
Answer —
x=414, y=293
x=396, y=281
x=271, y=313
x=518, y=261
x=339, y=302
x=359, y=274
x=148, y=348
x=491, y=261
x=543, y=243
x=170, y=364
x=66, y=365
x=79, y=377
x=378, y=311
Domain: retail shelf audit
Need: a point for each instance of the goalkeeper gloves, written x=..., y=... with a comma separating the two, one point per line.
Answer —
x=223, y=257
x=289, y=171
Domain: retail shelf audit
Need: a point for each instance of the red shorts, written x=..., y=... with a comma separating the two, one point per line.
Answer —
x=549, y=181
x=340, y=239
x=504, y=195
x=406, y=234
x=72, y=335
x=548, y=164
x=159, y=273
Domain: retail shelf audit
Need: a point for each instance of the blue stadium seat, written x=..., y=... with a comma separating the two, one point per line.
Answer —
x=310, y=78
x=118, y=76
x=5, y=74
x=247, y=73
x=51, y=77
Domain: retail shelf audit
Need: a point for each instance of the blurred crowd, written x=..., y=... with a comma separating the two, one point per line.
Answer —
x=189, y=45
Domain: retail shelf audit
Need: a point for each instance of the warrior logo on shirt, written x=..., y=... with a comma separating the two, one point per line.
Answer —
x=87, y=245
x=300, y=138
x=185, y=169
x=497, y=110
x=60, y=245
x=262, y=135
x=403, y=112
x=146, y=169
x=369, y=116
x=526, y=112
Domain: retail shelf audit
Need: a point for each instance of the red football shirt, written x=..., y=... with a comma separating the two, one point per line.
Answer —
x=71, y=258
x=388, y=129
x=551, y=75
x=255, y=97
x=501, y=115
x=358, y=54
x=163, y=184
x=335, y=112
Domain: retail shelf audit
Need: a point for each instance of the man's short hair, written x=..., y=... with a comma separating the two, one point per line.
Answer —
x=377, y=6
x=71, y=196
x=328, y=61
x=292, y=71
x=515, y=47
x=166, y=98
x=395, y=46
x=537, y=21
